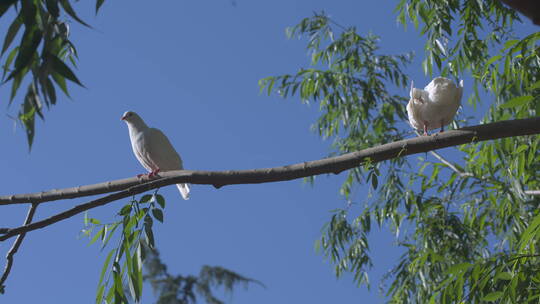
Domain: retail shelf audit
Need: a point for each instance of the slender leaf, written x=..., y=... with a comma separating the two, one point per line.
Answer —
x=51, y=91
x=105, y=266
x=492, y=297
x=99, y=3
x=29, y=12
x=160, y=200
x=30, y=42
x=517, y=101
x=11, y=33
x=61, y=68
x=52, y=7
x=5, y=5
x=9, y=60
x=61, y=82
x=69, y=10
x=27, y=117
x=158, y=214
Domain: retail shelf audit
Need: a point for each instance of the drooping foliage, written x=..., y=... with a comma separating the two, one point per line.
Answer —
x=182, y=289
x=134, y=259
x=466, y=220
x=42, y=53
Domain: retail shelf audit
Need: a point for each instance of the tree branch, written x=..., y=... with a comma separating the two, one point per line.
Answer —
x=15, y=247
x=330, y=165
x=502, y=129
x=529, y=8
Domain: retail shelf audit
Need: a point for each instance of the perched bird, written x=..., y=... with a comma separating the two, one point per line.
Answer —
x=436, y=105
x=153, y=149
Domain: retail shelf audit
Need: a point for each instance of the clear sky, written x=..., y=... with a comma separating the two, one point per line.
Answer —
x=191, y=69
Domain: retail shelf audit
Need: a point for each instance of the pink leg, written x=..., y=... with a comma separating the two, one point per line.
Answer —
x=153, y=173
x=425, y=128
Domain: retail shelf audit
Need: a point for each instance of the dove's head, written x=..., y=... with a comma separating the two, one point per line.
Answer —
x=132, y=118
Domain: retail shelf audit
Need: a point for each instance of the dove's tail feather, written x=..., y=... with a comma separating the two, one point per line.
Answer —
x=184, y=190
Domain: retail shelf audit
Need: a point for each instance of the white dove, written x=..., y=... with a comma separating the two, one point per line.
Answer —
x=153, y=149
x=436, y=105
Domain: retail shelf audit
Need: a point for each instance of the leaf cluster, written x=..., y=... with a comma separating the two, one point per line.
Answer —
x=182, y=289
x=42, y=53
x=461, y=226
x=123, y=267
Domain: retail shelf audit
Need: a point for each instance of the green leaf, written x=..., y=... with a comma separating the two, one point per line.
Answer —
x=111, y=233
x=119, y=296
x=99, y=3
x=506, y=276
x=149, y=236
x=51, y=91
x=145, y=198
x=69, y=10
x=160, y=200
x=29, y=12
x=8, y=62
x=97, y=236
x=30, y=42
x=510, y=43
x=105, y=266
x=95, y=221
x=494, y=296
x=27, y=117
x=61, y=82
x=11, y=33
x=99, y=294
x=17, y=77
x=52, y=7
x=374, y=181
x=138, y=262
x=521, y=149
x=517, y=101
x=136, y=275
x=5, y=5
x=528, y=234
x=457, y=269
x=492, y=60
x=535, y=85
x=125, y=210
x=61, y=68
x=158, y=214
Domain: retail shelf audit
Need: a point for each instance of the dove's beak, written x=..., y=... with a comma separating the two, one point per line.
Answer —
x=123, y=118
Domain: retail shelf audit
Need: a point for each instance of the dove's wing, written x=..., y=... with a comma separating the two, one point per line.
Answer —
x=161, y=152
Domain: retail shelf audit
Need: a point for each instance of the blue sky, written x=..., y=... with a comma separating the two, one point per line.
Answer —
x=191, y=69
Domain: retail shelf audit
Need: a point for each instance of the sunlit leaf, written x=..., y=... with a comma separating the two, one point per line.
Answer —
x=517, y=101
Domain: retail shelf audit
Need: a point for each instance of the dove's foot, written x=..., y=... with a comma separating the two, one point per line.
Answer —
x=153, y=173
x=425, y=128
x=140, y=175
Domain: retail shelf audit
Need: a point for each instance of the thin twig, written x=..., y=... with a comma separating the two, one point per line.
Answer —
x=15, y=247
x=450, y=165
